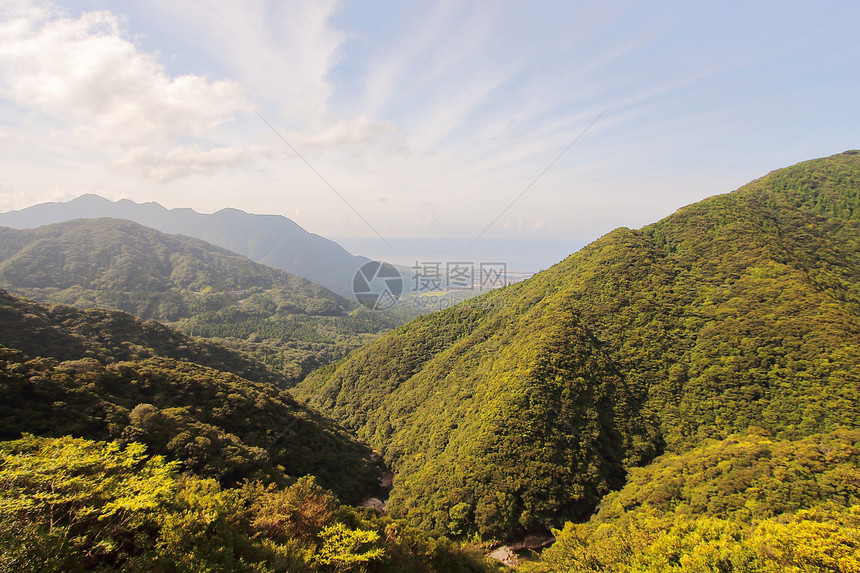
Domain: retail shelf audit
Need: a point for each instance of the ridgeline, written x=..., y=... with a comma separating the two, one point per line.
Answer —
x=518, y=410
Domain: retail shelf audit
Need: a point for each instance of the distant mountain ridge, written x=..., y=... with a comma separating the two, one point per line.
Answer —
x=273, y=240
x=143, y=270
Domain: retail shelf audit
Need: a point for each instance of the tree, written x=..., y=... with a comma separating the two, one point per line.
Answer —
x=346, y=549
x=70, y=504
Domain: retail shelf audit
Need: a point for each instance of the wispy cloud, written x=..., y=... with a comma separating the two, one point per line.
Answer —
x=357, y=133
x=85, y=81
x=184, y=161
x=281, y=52
x=447, y=109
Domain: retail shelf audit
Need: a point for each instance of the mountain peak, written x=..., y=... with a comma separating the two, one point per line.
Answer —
x=273, y=240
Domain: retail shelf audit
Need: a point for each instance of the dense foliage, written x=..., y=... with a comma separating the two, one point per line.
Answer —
x=516, y=411
x=747, y=503
x=216, y=424
x=826, y=539
x=76, y=505
x=285, y=321
x=748, y=477
x=68, y=333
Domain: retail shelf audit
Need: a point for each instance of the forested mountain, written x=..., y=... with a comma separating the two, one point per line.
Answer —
x=145, y=272
x=747, y=503
x=285, y=320
x=106, y=375
x=199, y=469
x=269, y=239
x=68, y=333
x=518, y=410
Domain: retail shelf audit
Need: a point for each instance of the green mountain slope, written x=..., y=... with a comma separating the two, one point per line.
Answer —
x=284, y=320
x=745, y=503
x=518, y=410
x=68, y=333
x=105, y=375
x=116, y=263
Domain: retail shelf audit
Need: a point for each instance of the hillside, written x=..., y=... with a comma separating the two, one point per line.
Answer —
x=105, y=375
x=518, y=410
x=287, y=321
x=745, y=503
x=68, y=333
x=118, y=452
x=272, y=240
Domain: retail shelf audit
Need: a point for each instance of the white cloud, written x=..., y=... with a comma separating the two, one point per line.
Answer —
x=12, y=198
x=86, y=80
x=282, y=52
x=183, y=161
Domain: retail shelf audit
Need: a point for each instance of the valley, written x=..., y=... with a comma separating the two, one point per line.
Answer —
x=284, y=320
x=683, y=396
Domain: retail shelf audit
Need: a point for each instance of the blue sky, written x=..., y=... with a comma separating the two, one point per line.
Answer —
x=429, y=118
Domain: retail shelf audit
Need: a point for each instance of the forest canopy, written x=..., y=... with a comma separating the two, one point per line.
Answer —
x=518, y=410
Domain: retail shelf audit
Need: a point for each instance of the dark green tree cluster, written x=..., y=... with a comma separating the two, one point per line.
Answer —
x=517, y=410
x=64, y=332
x=214, y=423
x=76, y=505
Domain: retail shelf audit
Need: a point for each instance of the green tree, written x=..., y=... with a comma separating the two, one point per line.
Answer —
x=69, y=504
x=345, y=549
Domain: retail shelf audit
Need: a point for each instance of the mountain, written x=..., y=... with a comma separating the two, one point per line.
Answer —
x=749, y=502
x=67, y=333
x=287, y=321
x=119, y=453
x=269, y=239
x=519, y=410
x=143, y=271
x=104, y=375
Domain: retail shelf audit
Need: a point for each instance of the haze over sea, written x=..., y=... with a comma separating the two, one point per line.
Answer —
x=520, y=256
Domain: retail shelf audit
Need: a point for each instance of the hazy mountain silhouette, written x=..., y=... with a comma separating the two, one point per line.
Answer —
x=273, y=240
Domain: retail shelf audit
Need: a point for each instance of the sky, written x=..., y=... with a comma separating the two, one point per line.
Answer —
x=465, y=129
